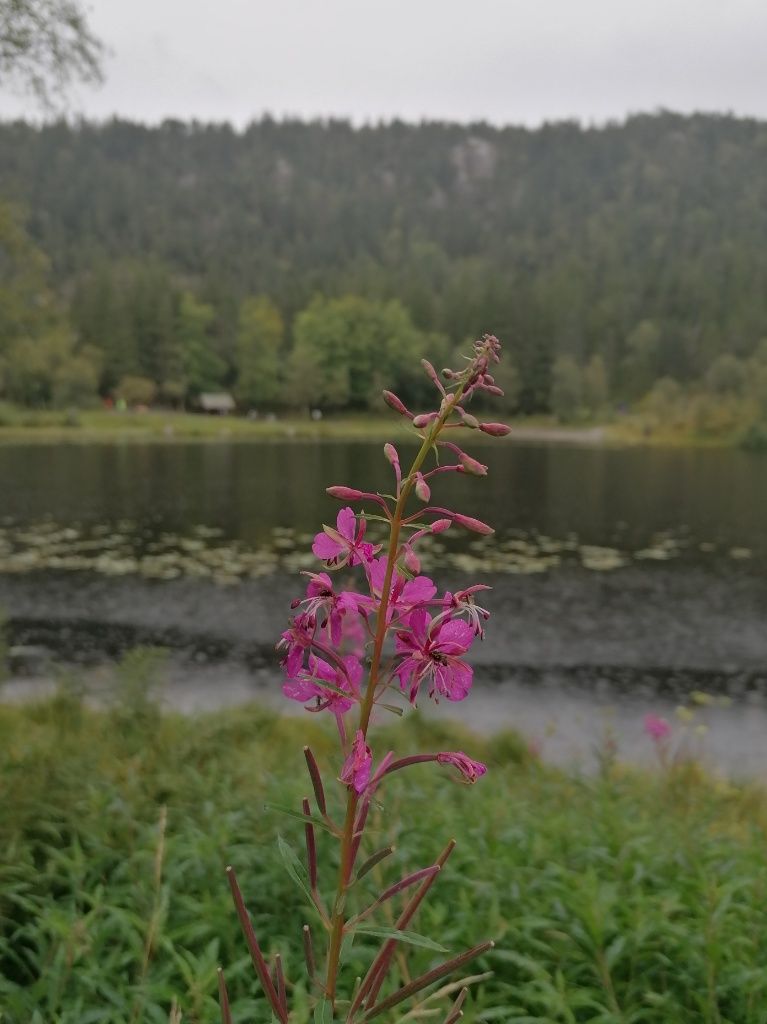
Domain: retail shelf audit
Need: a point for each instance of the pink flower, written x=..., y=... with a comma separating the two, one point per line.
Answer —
x=432, y=652
x=404, y=595
x=344, y=545
x=353, y=636
x=469, y=769
x=357, y=766
x=297, y=640
x=656, y=728
x=307, y=686
x=324, y=607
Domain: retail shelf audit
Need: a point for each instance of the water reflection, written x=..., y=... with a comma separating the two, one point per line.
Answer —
x=605, y=497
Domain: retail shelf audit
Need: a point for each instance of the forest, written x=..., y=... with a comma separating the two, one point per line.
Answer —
x=296, y=263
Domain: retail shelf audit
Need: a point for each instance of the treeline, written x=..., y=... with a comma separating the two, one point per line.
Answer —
x=303, y=263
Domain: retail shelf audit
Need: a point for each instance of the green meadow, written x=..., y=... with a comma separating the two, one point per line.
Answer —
x=616, y=898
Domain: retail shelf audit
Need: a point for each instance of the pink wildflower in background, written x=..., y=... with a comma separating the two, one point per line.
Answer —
x=656, y=728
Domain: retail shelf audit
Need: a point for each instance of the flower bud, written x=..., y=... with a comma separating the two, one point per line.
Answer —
x=423, y=419
x=391, y=454
x=469, y=523
x=391, y=399
x=345, y=493
x=356, y=769
x=470, y=421
x=470, y=769
x=493, y=389
x=422, y=489
x=471, y=465
x=495, y=429
x=440, y=525
x=431, y=373
x=411, y=560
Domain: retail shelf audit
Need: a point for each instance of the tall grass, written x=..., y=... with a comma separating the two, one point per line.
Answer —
x=620, y=898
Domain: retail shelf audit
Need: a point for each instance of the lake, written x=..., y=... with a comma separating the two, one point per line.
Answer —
x=624, y=578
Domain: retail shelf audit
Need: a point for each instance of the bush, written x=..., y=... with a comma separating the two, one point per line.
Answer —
x=136, y=390
x=755, y=438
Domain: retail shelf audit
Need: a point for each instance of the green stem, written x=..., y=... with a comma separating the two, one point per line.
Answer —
x=347, y=838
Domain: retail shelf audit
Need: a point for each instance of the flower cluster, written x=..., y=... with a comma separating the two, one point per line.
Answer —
x=346, y=651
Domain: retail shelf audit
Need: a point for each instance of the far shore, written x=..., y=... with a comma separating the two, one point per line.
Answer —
x=167, y=426
x=19, y=426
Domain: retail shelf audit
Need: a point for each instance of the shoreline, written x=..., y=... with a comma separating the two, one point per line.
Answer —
x=566, y=725
x=170, y=428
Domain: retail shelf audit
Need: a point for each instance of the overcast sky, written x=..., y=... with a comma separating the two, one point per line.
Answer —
x=503, y=61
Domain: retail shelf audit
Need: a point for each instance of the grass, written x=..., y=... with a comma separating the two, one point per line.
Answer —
x=621, y=898
x=17, y=424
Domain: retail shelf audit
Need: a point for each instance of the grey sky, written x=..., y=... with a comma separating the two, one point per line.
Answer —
x=497, y=60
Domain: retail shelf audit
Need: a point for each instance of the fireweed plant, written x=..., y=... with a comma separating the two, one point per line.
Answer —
x=344, y=651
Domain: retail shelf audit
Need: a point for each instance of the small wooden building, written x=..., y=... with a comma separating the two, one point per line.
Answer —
x=217, y=403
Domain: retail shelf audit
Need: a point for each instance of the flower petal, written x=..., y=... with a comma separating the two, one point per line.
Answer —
x=455, y=637
x=454, y=680
x=347, y=523
x=325, y=547
x=418, y=591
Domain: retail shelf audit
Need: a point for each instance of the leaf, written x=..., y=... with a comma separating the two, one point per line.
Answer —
x=320, y=681
x=411, y=938
x=391, y=707
x=371, y=862
x=310, y=818
x=294, y=867
x=323, y=1012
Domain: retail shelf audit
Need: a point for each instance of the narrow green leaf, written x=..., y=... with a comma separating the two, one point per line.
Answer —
x=371, y=862
x=346, y=945
x=411, y=938
x=320, y=681
x=294, y=868
x=393, y=708
x=311, y=818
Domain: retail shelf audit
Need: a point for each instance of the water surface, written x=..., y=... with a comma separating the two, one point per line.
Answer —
x=624, y=579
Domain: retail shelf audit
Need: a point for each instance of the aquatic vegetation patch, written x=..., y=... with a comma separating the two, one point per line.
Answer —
x=128, y=548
